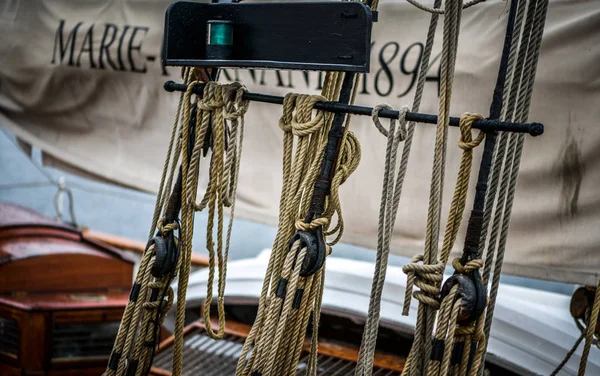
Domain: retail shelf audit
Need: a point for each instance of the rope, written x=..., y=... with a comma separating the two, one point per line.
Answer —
x=431, y=274
x=390, y=198
x=368, y=343
x=569, y=355
x=274, y=343
x=427, y=277
x=287, y=298
x=522, y=67
x=220, y=109
x=130, y=318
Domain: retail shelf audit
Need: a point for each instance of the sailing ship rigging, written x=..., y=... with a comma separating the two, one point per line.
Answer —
x=331, y=166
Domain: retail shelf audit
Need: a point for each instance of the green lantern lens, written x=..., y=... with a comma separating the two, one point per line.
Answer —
x=220, y=34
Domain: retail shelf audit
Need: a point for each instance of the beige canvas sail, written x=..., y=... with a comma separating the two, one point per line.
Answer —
x=83, y=81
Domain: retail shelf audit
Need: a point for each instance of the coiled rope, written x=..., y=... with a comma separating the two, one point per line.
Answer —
x=222, y=109
x=218, y=124
x=288, y=299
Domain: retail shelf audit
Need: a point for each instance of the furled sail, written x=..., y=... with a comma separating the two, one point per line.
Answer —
x=84, y=83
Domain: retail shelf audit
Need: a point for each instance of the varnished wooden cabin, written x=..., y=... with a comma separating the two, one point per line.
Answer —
x=62, y=295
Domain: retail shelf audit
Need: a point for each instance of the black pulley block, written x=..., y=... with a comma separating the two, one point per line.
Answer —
x=165, y=258
x=472, y=295
x=316, y=250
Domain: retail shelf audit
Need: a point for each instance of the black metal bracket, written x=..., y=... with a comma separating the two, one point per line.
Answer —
x=486, y=125
x=326, y=36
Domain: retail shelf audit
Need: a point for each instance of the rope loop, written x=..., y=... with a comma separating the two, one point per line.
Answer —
x=235, y=105
x=289, y=103
x=164, y=229
x=212, y=97
x=466, y=141
x=313, y=225
x=301, y=122
x=349, y=159
x=468, y=267
x=350, y=155
x=402, y=119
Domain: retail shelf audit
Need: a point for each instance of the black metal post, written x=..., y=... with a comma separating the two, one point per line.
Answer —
x=323, y=183
x=534, y=129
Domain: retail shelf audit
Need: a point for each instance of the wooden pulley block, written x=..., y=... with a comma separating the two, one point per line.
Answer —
x=581, y=301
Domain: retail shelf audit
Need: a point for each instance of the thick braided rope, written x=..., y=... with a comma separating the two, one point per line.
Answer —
x=447, y=316
x=521, y=91
x=187, y=218
x=434, y=274
x=421, y=347
x=291, y=195
x=224, y=170
x=387, y=218
x=171, y=158
x=277, y=324
x=154, y=316
x=152, y=313
x=219, y=105
x=500, y=146
x=129, y=322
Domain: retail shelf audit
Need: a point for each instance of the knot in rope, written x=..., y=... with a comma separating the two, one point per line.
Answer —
x=212, y=97
x=164, y=229
x=301, y=121
x=426, y=277
x=313, y=225
x=402, y=119
x=289, y=102
x=464, y=331
x=235, y=105
x=468, y=267
x=466, y=141
x=161, y=306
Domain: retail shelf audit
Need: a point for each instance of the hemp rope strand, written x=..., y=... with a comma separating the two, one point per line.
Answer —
x=387, y=218
x=426, y=315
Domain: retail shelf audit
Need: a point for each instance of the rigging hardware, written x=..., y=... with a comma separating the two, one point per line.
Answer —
x=533, y=129
x=330, y=36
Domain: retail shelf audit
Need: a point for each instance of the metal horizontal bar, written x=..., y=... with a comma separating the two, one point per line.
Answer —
x=487, y=125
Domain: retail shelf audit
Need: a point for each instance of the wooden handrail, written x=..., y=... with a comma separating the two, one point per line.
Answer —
x=136, y=246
